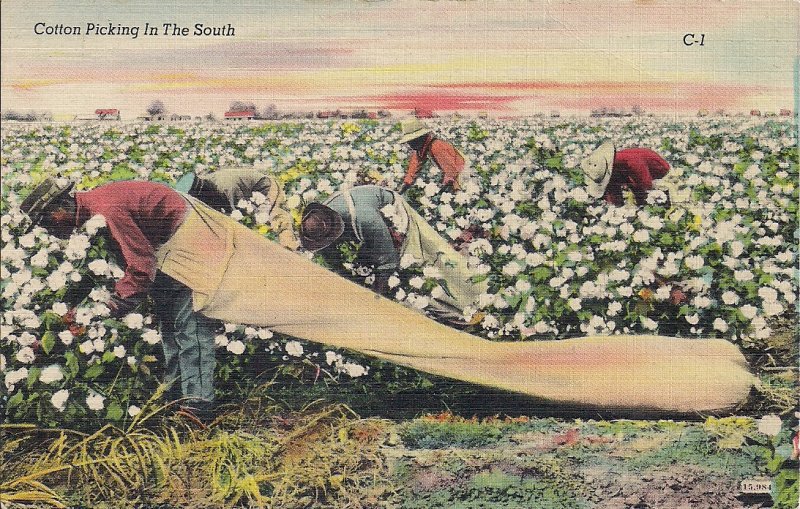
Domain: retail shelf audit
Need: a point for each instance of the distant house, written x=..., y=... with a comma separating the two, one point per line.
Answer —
x=179, y=118
x=237, y=116
x=107, y=114
x=786, y=112
x=372, y=115
x=702, y=113
x=755, y=113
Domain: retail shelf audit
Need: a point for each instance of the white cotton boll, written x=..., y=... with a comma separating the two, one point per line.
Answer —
x=649, y=323
x=748, y=311
x=730, y=298
x=420, y=302
x=294, y=348
x=99, y=267
x=14, y=377
x=151, y=336
x=768, y=294
x=438, y=293
x=95, y=401
x=694, y=262
x=51, y=374
x=693, y=319
x=221, y=340
x=59, y=308
x=293, y=202
x=720, y=325
x=40, y=259
x=119, y=351
x=133, y=321
x=614, y=308
x=59, y=399
x=416, y=282
x=237, y=215
x=94, y=224
x=332, y=357
x=56, y=281
x=26, y=355
x=236, y=347
x=99, y=345
x=736, y=248
x=87, y=347
x=353, y=370
x=134, y=410
x=400, y=295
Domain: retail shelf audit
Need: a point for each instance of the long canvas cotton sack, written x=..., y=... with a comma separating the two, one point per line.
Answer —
x=240, y=277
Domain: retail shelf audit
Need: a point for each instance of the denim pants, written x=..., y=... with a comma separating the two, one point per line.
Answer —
x=188, y=341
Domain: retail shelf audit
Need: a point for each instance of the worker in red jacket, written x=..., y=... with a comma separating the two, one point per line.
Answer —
x=140, y=217
x=607, y=172
x=426, y=147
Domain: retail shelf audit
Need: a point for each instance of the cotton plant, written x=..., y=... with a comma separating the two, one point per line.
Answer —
x=558, y=264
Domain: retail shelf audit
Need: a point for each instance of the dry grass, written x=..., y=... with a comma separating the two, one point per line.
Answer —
x=252, y=456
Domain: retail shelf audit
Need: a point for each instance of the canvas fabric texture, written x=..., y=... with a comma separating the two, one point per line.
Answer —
x=424, y=243
x=240, y=277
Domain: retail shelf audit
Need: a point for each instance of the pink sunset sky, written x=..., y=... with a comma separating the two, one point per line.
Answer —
x=503, y=57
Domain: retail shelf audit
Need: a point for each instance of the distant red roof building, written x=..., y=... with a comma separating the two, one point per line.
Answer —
x=107, y=114
x=785, y=112
x=755, y=113
x=240, y=115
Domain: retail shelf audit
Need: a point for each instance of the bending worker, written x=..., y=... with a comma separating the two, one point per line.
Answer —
x=238, y=276
x=607, y=172
x=386, y=229
x=427, y=148
x=141, y=217
x=223, y=189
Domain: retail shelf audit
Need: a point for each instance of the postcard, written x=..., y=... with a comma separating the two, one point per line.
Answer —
x=399, y=253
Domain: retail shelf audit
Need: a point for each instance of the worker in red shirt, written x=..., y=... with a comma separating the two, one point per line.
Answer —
x=607, y=172
x=427, y=147
x=140, y=217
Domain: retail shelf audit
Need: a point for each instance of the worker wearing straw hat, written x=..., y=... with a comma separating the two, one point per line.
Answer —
x=387, y=229
x=141, y=217
x=225, y=188
x=426, y=147
x=608, y=171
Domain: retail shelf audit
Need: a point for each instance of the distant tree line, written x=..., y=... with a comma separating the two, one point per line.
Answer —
x=28, y=116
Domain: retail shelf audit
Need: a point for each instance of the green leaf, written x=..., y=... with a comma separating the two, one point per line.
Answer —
x=15, y=400
x=33, y=376
x=72, y=363
x=114, y=411
x=94, y=371
x=48, y=341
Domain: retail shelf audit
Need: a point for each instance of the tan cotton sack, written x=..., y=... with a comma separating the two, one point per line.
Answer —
x=240, y=277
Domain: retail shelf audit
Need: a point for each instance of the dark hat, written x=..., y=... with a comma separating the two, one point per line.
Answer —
x=46, y=193
x=320, y=227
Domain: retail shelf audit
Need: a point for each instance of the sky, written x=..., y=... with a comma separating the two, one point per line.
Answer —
x=506, y=58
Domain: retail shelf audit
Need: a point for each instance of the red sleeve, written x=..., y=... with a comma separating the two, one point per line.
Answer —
x=138, y=252
x=448, y=159
x=413, y=168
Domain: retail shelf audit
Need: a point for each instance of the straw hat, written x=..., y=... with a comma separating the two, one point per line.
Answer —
x=320, y=227
x=44, y=194
x=412, y=129
x=597, y=169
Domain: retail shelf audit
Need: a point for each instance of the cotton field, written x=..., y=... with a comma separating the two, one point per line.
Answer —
x=718, y=260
